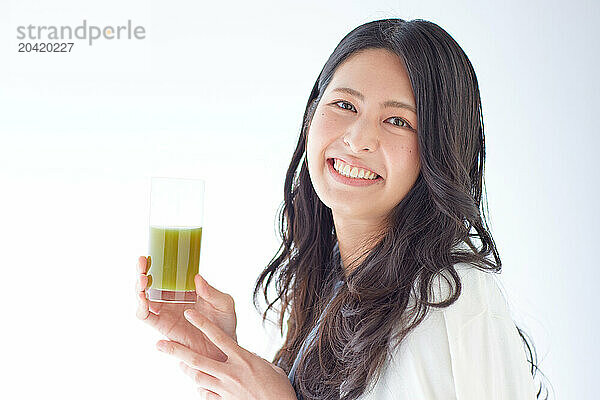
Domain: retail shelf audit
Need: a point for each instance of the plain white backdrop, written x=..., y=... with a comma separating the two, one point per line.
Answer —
x=218, y=90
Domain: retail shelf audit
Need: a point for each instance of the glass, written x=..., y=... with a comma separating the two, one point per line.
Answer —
x=176, y=215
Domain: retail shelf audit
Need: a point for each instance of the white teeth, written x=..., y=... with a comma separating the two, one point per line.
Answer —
x=352, y=172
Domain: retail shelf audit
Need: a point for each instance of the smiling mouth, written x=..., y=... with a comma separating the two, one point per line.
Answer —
x=359, y=173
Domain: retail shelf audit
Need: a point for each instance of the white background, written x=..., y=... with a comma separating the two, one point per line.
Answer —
x=217, y=90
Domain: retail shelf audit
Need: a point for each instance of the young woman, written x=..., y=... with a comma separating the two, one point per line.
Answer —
x=384, y=269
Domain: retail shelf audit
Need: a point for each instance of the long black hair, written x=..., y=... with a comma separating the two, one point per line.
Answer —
x=441, y=211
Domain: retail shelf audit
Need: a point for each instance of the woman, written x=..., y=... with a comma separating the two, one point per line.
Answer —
x=388, y=295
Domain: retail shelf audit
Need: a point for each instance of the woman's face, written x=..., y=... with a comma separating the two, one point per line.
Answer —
x=359, y=128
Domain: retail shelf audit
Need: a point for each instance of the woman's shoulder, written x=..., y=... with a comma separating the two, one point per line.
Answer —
x=465, y=350
x=480, y=300
x=480, y=291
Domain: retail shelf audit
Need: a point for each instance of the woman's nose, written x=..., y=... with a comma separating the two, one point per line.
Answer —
x=361, y=137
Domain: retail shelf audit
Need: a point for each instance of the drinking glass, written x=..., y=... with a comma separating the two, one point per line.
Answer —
x=176, y=216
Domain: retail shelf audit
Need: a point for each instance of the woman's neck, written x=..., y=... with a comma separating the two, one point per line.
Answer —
x=355, y=238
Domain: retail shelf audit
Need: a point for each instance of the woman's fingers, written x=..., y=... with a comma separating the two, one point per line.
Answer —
x=142, y=279
x=205, y=381
x=215, y=334
x=221, y=301
x=143, y=311
x=142, y=264
x=190, y=357
x=142, y=283
x=208, y=395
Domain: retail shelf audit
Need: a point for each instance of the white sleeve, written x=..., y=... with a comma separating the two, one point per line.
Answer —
x=470, y=350
x=488, y=359
x=483, y=359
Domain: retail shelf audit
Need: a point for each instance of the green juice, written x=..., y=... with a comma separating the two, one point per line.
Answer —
x=174, y=257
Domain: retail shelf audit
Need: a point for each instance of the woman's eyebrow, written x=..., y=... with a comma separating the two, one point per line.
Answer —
x=388, y=103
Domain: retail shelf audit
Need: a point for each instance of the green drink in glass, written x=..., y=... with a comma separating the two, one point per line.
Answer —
x=176, y=215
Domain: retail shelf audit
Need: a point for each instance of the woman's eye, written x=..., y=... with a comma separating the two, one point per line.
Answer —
x=344, y=103
x=406, y=124
x=402, y=123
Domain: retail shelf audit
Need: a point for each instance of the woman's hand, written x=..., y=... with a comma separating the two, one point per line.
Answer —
x=243, y=376
x=168, y=319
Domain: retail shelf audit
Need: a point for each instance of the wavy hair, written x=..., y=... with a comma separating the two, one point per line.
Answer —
x=441, y=211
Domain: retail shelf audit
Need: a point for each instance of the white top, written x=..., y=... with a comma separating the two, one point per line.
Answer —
x=470, y=350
